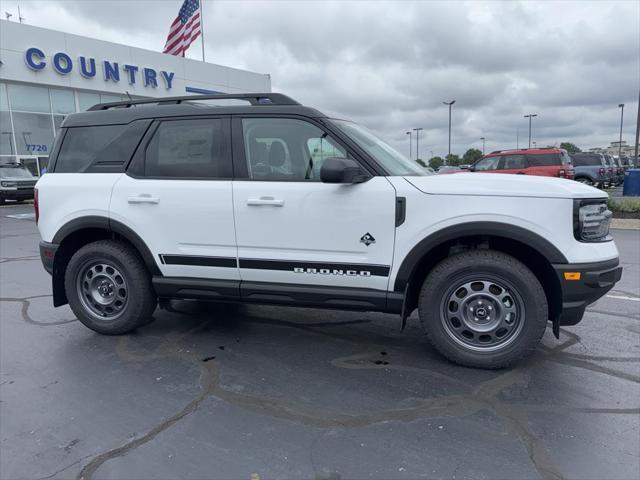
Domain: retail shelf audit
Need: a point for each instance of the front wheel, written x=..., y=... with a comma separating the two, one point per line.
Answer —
x=584, y=180
x=483, y=308
x=109, y=288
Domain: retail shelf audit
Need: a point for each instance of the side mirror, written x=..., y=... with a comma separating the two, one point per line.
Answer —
x=342, y=170
x=472, y=168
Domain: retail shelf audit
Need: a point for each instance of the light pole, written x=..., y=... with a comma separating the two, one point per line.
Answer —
x=530, y=116
x=417, y=130
x=621, y=106
x=483, y=140
x=450, y=104
x=637, y=133
x=410, y=145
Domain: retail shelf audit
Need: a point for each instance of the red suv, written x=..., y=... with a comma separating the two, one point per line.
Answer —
x=547, y=162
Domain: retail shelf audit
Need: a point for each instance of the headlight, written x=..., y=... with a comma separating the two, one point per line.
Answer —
x=9, y=184
x=591, y=219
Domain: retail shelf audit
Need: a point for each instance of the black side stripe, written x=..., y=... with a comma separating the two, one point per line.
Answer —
x=256, y=264
x=281, y=265
x=200, y=261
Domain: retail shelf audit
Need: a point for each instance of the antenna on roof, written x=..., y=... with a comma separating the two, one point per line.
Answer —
x=128, y=95
x=20, y=17
x=8, y=15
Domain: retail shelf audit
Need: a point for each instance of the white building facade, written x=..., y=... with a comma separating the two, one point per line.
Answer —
x=46, y=75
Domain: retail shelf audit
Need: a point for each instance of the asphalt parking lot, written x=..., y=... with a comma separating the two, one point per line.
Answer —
x=248, y=392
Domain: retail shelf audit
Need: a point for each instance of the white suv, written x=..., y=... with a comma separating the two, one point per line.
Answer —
x=273, y=202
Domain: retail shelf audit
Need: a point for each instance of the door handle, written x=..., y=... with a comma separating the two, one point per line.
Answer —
x=520, y=173
x=256, y=202
x=143, y=198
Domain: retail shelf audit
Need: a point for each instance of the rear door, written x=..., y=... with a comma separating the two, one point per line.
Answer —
x=514, y=164
x=176, y=195
x=295, y=231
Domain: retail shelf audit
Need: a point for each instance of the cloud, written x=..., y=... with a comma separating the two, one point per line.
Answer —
x=389, y=65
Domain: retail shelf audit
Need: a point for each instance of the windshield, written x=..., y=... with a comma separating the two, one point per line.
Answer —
x=14, y=172
x=393, y=161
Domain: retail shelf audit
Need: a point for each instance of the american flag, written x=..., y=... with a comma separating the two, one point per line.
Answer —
x=184, y=29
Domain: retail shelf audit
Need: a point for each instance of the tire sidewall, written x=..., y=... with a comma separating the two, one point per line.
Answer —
x=451, y=273
x=130, y=316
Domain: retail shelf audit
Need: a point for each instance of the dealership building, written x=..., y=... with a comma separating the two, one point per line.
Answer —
x=46, y=74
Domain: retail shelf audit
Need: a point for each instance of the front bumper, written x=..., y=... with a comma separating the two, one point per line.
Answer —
x=17, y=194
x=47, y=254
x=596, y=279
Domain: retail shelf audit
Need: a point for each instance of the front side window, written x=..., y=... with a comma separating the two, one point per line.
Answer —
x=286, y=149
x=189, y=149
x=488, y=163
x=393, y=161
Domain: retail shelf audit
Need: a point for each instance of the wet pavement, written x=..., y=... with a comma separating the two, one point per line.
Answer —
x=248, y=392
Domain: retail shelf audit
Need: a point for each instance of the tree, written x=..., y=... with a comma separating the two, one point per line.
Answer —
x=570, y=147
x=436, y=162
x=420, y=162
x=454, y=160
x=471, y=156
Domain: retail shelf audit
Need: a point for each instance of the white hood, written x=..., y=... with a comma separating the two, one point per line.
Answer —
x=506, y=185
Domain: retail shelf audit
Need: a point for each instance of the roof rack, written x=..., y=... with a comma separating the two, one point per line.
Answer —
x=252, y=98
x=509, y=150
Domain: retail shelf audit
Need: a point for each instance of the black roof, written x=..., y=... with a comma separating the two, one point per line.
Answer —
x=127, y=111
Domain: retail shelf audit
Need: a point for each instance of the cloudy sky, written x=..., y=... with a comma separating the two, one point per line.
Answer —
x=390, y=65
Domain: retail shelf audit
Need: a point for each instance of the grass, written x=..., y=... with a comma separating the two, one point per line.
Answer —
x=625, y=205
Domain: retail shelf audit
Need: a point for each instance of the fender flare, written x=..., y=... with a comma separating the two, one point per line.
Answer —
x=105, y=223
x=494, y=229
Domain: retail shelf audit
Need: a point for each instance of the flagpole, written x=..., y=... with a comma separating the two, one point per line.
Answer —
x=202, y=28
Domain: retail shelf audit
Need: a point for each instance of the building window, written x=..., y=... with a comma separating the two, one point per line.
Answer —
x=4, y=104
x=6, y=135
x=33, y=133
x=29, y=99
x=87, y=100
x=62, y=101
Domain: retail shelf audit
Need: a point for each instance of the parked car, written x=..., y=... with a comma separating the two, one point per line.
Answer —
x=16, y=183
x=590, y=168
x=616, y=173
x=447, y=169
x=626, y=162
x=546, y=162
x=155, y=204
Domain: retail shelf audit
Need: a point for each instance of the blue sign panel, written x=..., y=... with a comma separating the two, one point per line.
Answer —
x=63, y=64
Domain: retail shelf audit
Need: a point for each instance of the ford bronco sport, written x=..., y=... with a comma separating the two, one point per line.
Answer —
x=275, y=203
x=16, y=183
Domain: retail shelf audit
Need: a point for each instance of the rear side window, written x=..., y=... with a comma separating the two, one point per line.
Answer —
x=514, y=161
x=189, y=149
x=587, y=160
x=544, y=160
x=98, y=147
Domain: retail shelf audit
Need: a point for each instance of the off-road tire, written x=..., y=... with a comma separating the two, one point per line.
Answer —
x=140, y=296
x=496, y=266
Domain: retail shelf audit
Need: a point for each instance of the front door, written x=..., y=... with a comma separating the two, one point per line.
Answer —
x=293, y=229
x=177, y=196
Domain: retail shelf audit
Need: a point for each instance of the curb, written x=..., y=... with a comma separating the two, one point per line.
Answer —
x=625, y=224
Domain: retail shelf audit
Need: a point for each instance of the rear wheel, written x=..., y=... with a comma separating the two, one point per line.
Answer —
x=584, y=180
x=483, y=308
x=109, y=288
